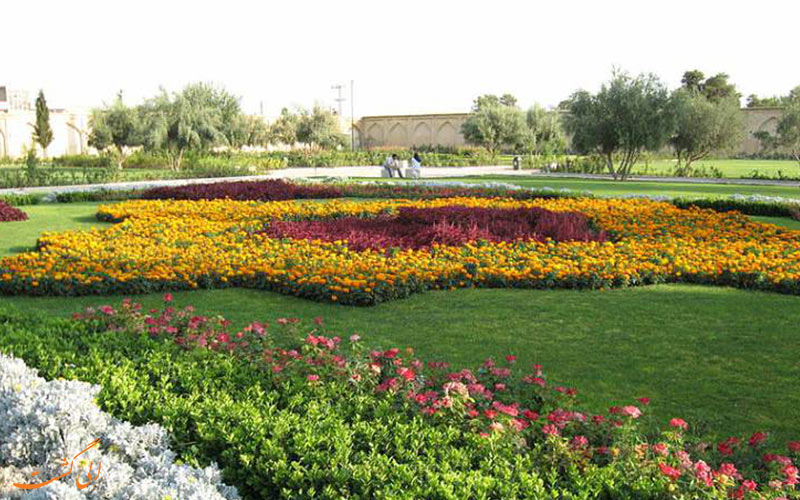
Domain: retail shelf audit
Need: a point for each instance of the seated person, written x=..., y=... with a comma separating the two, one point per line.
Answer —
x=416, y=167
x=390, y=166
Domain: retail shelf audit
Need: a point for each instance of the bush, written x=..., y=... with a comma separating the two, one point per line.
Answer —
x=88, y=161
x=20, y=200
x=9, y=213
x=324, y=421
x=40, y=420
x=746, y=205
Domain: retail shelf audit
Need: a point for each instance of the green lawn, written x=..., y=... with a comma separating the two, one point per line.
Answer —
x=733, y=168
x=723, y=357
x=620, y=188
x=21, y=236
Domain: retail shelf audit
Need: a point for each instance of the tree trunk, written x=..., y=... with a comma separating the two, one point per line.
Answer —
x=180, y=157
x=610, y=165
x=796, y=155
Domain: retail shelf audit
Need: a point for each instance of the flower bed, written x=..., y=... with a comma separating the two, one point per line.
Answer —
x=418, y=228
x=43, y=421
x=164, y=245
x=9, y=213
x=269, y=190
x=276, y=418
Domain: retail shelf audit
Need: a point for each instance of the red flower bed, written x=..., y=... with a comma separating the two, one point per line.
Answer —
x=9, y=213
x=454, y=225
x=269, y=190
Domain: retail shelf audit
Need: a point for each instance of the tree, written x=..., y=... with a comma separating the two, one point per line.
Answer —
x=753, y=101
x=489, y=100
x=787, y=133
x=495, y=122
x=703, y=125
x=693, y=80
x=319, y=128
x=248, y=130
x=715, y=87
x=284, y=129
x=193, y=119
x=42, y=133
x=627, y=117
x=545, y=135
x=116, y=128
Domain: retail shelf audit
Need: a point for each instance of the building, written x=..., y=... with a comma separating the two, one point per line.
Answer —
x=17, y=116
x=407, y=131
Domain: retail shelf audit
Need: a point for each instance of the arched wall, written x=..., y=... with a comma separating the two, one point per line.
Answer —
x=407, y=131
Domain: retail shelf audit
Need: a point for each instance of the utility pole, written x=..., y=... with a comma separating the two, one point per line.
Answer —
x=339, y=99
x=352, y=120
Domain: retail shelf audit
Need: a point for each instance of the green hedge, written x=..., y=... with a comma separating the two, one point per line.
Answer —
x=763, y=208
x=19, y=200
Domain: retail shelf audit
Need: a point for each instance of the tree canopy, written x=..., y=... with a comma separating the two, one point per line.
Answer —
x=494, y=125
x=628, y=116
x=319, y=128
x=545, y=133
x=703, y=125
x=116, y=127
x=715, y=87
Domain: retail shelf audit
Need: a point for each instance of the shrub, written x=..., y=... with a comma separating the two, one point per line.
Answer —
x=9, y=213
x=41, y=420
x=87, y=161
x=20, y=200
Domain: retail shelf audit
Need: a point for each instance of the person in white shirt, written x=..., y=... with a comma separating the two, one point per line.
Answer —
x=416, y=166
x=391, y=165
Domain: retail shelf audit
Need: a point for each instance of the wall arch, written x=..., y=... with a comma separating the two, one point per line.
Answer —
x=447, y=135
x=397, y=136
x=423, y=135
x=769, y=125
x=374, y=135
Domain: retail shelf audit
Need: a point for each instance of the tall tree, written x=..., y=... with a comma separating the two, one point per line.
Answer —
x=42, y=133
x=192, y=119
x=693, y=80
x=787, y=134
x=490, y=100
x=545, y=134
x=627, y=117
x=320, y=128
x=494, y=126
x=117, y=129
x=715, y=87
x=703, y=125
x=246, y=130
x=284, y=129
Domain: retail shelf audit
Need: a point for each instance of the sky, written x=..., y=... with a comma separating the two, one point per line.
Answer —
x=404, y=56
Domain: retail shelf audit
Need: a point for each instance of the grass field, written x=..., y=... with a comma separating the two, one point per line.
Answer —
x=732, y=168
x=720, y=356
x=620, y=188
